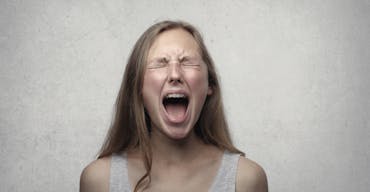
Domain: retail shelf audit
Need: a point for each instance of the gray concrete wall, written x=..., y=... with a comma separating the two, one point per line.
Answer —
x=295, y=78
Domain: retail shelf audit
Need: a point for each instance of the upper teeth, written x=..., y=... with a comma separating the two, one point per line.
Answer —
x=175, y=95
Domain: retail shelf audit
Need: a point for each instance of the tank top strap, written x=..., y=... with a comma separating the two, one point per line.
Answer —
x=118, y=181
x=226, y=176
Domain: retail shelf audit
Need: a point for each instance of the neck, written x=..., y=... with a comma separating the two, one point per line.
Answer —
x=171, y=151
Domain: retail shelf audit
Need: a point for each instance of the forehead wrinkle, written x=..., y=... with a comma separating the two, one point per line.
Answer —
x=176, y=54
x=188, y=53
x=172, y=51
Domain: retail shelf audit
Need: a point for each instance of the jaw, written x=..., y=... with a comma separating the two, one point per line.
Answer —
x=178, y=124
x=176, y=119
x=175, y=107
x=182, y=129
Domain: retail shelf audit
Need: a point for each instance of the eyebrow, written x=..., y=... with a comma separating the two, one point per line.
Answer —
x=180, y=57
x=158, y=58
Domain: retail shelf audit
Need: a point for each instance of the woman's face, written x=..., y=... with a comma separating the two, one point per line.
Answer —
x=175, y=83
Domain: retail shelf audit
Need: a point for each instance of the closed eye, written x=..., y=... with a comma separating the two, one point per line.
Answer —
x=186, y=61
x=158, y=63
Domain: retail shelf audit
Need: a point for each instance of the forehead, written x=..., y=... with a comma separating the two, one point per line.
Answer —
x=174, y=42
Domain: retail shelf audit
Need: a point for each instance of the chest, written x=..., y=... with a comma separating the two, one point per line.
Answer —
x=217, y=177
x=180, y=180
x=176, y=178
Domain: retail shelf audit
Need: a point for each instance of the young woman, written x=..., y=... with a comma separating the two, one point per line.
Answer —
x=169, y=132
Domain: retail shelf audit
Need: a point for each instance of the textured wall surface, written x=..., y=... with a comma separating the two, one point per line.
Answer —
x=295, y=78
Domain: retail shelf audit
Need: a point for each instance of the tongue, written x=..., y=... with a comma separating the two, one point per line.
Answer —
x=176, y=111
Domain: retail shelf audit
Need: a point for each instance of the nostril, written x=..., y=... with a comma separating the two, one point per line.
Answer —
x=175, y=80
x=175, y=77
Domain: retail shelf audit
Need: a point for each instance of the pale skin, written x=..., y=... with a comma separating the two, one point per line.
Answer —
x=175, y=66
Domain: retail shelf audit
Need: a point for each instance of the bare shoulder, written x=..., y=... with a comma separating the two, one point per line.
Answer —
x=250, y=177
x=95, y=176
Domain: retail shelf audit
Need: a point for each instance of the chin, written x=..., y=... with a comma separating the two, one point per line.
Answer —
x=178, y=133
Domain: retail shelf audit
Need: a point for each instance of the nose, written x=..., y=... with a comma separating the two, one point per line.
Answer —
x=174, y=72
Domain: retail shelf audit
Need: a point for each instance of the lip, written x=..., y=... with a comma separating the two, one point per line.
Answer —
x=180, y=91
x=166, y=115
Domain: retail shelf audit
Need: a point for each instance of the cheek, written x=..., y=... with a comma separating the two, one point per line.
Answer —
x=198, y=81
x=151, y=85
x=152, y=80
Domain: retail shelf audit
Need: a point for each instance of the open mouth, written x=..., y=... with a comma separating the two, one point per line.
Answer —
x=176, y=105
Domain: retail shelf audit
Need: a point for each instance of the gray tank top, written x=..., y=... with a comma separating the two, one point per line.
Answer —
x=223, y=182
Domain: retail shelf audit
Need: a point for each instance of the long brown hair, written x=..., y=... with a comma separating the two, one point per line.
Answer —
x=130, y=126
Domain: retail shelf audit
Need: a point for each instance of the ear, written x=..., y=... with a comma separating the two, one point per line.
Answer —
x=209, y=91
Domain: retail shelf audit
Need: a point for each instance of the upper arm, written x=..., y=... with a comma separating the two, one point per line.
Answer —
x=250, y=177
x=95, y=177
